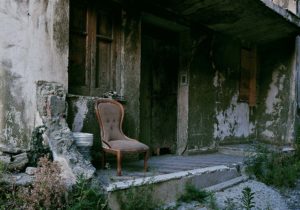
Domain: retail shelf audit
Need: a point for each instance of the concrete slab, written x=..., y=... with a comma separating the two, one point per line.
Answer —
x=169, y=187
x=166, y=164
x=168, y=175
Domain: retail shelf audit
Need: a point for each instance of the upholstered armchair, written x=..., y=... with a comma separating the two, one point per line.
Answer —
x=110, y=114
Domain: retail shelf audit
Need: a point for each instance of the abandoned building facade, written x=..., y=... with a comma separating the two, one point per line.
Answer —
x=192, y=75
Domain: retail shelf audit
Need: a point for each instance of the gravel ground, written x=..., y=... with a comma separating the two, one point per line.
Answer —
x=292, y=197
x=265, y=197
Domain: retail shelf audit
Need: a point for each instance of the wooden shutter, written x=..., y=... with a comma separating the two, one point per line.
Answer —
x=104, y=50
x=248, y=76
x=78, y=54
x=92, y=47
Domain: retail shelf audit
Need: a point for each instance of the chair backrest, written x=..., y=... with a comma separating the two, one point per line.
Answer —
x=110, y=115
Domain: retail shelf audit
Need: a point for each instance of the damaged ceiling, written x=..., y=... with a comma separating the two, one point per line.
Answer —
x=255, y=21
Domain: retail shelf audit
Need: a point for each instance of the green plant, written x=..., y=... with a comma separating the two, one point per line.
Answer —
x=38, y=147
x=85, y=196
x=247, y=198
x=212, y=203
x=270, y=167
x=193, y=194
x=229, y=204
x=9, y=192
x=2, y=168
x=138, y=198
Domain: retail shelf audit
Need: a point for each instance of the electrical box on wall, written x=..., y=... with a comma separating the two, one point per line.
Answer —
x=183, y=79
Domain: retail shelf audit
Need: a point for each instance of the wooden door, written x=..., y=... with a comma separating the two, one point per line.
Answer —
x=159, y=72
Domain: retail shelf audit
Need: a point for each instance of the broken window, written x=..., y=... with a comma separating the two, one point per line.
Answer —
x=92, y=47
x=248, y=76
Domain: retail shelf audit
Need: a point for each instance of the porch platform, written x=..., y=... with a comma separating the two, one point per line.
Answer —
x=166, y=164
x=169, y=174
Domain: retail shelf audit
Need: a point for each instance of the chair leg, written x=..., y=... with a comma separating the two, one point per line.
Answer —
x=119, y=163
x=146, y=156
x=103, y=160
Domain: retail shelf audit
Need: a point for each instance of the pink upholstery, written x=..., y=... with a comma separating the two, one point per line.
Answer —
x=110, y=115
x=128, y=145
x=111, y=120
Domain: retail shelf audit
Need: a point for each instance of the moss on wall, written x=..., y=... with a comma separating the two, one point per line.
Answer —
x=61, y=26
x=274, y=113
x=201, y=97
x=14, y=131
x=130, y=71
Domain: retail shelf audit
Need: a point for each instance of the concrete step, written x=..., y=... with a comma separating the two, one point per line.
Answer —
x=227, y=184
x=242, y=150
x=169, y=187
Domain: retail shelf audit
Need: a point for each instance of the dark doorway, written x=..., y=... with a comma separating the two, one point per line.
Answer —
x=159, y=72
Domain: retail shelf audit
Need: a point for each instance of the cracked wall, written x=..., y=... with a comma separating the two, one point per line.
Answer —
x=33, y=47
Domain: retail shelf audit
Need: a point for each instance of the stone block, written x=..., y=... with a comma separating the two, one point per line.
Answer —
x=18, y=162
x=30, y=170
x=9, y=149
x=5, y=159
x=56, y=106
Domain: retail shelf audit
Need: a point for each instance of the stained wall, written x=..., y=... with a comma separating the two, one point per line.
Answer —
x=34, y=46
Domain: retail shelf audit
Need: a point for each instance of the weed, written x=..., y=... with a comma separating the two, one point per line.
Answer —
x=247, y=198
x=229, y=204
x=2, y=168
x=137, y=198
x=9, y=198
x=270, y=167
x=212, y=202
x=85, y=196
x=193, y=194
x=48, y=190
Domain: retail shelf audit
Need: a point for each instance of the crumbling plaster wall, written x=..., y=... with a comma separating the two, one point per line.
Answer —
x=275, y=112
x=215, y=114
x=33, y=46
x=291, y=5
x=82, y=118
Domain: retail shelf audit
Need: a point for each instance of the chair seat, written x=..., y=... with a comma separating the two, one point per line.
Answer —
x=128, y=145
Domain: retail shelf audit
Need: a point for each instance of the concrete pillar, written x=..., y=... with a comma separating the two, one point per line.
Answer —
x=183, y=94
x=297, y=57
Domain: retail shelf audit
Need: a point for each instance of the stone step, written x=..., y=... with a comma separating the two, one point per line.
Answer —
x=237, y=150
x=227, y=184
x=169, y=187
x=244, y=150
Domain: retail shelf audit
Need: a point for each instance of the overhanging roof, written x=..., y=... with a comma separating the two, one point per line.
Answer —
x=251, y=20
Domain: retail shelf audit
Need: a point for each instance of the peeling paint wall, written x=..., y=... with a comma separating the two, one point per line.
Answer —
x=215, y=114
x=33, y=46
x=276, y=112
x=234, y=121
x=291, y=5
